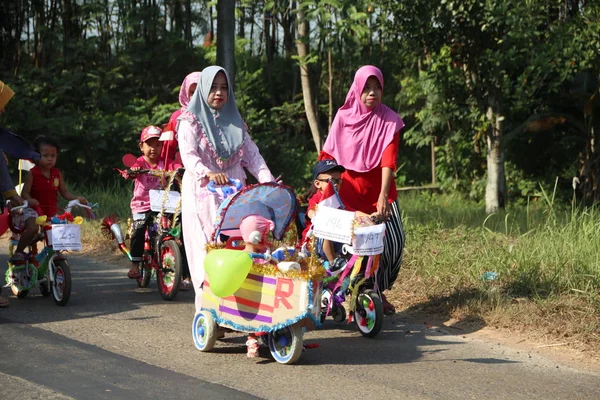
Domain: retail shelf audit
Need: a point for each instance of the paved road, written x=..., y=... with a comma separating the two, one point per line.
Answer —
x=114, y=341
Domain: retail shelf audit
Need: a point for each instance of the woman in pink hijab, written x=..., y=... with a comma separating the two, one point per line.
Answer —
x=364, y=138
x=188, y=87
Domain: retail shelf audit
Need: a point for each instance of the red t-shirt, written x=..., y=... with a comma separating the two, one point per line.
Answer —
x=360, y=190
x=45, y=190
x=312, y=204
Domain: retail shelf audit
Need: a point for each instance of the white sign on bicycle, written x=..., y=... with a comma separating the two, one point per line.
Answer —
x=333, y=224
x=65, y=237
x=158, y=200
x=368, y=240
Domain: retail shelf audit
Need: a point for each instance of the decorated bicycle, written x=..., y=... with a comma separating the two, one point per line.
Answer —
x=47, y=269
x=354, y=277
x=275, y=295
x=163, y=242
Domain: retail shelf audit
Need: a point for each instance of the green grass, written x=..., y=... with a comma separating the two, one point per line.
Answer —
x=546, y=261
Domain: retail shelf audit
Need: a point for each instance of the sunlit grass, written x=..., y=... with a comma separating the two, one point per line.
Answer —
x=542, y=260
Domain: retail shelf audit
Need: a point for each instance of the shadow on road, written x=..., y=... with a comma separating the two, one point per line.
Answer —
x=98, y=290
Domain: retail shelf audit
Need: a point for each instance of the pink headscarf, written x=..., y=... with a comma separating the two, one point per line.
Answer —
x=184, y=98
x=255, y=229
x=359, y=136
x=190, y=79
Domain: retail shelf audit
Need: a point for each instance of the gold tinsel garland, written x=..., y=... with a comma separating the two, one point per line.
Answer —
x=311, y=268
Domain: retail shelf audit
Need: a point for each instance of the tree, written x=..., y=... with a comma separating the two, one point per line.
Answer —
x=304, y=60
x=226, y=36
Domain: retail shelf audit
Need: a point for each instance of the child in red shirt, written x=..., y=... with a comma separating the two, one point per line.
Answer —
x=41, y=189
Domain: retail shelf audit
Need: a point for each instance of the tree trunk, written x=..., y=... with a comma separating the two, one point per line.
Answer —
x=330, y=86
x=495, y=191
x=188, y=24
x=226, y=37
x=309, y=105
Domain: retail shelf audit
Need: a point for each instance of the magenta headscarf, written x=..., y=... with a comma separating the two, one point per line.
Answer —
x=359, y=136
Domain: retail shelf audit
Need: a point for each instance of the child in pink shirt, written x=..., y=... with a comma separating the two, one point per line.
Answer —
x=151, y=147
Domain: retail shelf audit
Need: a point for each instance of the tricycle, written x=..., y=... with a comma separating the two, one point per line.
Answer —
x=241, y=294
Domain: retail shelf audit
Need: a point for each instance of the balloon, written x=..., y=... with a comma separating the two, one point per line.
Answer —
x=128, y=160
x=227, y=270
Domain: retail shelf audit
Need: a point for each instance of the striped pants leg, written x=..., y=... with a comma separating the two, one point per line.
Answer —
x=391, y=258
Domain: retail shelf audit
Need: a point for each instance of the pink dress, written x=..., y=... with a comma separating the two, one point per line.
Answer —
x=198, y=205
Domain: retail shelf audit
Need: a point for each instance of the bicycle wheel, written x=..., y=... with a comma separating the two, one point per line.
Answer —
x=368, y=313
x=168, y=275
x=61, y=286
x=22, y=279
x=145, y=273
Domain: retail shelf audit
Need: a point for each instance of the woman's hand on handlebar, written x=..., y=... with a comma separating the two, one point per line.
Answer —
x=383, y=209
x=82, y=200
x=218, y=177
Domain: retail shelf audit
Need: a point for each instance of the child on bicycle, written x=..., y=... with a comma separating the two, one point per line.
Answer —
x=327, y=179
x=41, y=188
x=151, y=159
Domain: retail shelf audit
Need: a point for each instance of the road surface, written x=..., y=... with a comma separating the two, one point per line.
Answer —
x=115, y=341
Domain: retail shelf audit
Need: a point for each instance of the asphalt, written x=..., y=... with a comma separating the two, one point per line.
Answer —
x=115, y=341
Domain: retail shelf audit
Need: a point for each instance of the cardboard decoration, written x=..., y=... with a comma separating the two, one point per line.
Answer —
x=333, y=224
x=265, y=303
x=6, y=93
x=159, y=203
x=65, y=237
x=368, y=240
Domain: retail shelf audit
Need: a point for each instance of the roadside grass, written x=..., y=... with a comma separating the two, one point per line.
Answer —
x=533, y=268
x=113, y=199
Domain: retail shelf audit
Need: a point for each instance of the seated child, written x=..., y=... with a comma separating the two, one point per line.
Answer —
x=42, y=186
x=325, y=172
x=255, y=231
x=151, y=147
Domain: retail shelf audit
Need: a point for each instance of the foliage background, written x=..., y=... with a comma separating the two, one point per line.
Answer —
x=93, y=73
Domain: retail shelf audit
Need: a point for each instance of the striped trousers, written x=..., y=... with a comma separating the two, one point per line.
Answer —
x=394, y=241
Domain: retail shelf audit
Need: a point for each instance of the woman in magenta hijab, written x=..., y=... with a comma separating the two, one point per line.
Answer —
x=364, y=138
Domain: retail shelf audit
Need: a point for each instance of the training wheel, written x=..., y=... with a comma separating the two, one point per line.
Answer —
x=285, y=344
x=204, y=331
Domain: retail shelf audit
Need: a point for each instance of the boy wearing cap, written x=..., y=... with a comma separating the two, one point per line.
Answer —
x=325, y=172
x=151, y=147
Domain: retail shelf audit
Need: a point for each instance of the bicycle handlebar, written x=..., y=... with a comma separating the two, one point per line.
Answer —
x=155, y=172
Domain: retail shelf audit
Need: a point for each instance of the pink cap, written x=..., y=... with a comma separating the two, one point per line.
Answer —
x=150, y=132
x=255, y=229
